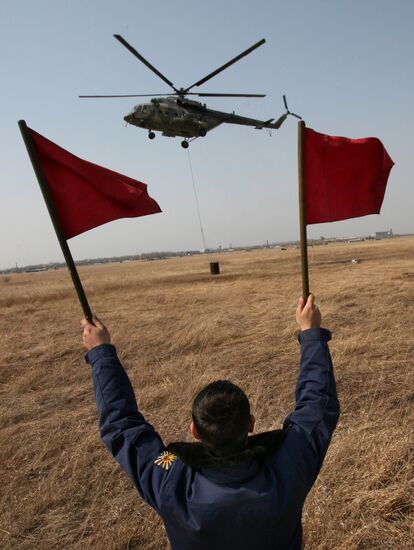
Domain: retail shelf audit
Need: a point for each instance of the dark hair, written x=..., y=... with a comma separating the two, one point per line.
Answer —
x=221, y=413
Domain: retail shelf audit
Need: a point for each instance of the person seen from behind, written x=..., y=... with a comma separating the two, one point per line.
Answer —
x=227, y=490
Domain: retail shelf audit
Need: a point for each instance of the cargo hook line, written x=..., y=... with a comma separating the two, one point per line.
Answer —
x=196, y=201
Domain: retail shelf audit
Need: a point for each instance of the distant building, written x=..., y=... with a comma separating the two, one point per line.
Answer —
x=383, y=234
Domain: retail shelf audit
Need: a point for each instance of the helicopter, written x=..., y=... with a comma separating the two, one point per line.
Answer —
x=174, y=114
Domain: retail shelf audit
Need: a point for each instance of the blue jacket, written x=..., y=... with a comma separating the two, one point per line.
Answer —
x=252, y=504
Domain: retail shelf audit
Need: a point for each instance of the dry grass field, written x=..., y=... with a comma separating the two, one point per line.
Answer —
x=178, y=328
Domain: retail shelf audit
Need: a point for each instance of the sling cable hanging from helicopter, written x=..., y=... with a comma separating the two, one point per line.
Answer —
x=196, y=201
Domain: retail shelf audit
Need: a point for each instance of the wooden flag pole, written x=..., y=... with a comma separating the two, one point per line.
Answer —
x=55, y=220
x=302, y=209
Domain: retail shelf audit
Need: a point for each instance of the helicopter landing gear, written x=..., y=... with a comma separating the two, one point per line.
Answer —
x=186, y=142
x=151, y=135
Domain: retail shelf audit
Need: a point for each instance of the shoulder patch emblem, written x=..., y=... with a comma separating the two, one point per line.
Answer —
x=165, y=460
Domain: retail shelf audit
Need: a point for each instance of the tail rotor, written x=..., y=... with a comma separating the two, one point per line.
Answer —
x=282, y=119
x=287, y=109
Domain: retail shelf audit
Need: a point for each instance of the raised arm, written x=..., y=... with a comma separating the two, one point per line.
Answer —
x=316, y=413
x=132, y=441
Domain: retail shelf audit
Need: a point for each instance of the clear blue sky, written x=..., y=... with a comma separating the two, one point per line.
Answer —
x=346, y=66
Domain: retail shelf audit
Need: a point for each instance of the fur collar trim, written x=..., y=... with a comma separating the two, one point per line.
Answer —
x=197, y=456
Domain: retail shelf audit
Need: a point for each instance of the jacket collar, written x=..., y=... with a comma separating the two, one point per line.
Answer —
x=197, y=456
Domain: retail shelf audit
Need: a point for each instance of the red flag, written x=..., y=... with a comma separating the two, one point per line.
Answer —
x=344, y=178
x=86, y=195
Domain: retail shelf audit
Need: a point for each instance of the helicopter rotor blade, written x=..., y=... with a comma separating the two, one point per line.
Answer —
x=287, y=109
x=123, y=95
x=226, y=95
x=220, y=69
x=144, y=61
